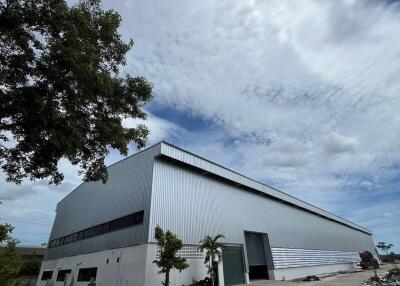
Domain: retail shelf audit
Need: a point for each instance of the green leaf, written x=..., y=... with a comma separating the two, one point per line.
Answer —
x=61, y=92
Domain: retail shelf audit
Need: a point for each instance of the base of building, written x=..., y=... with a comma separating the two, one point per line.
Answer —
x=134, y=266
x=300, y=272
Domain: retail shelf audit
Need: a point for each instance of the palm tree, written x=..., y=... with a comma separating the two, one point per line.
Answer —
x=213, y=253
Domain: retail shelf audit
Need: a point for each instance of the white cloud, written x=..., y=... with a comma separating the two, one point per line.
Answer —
x=335, y=143
x=367, y=185
x=159, y=128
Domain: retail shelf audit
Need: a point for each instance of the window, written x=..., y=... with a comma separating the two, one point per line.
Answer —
x=46, y=275
x=68, y=239
x=88, y=232
x=75, y=237
x=116, y=224
x=139, y=217
x=62, y=273
x=106, y=227
x=80, y=235
x=85, y=274
x=98, y=229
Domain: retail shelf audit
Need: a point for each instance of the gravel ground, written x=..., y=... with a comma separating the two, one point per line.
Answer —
x=352, y=279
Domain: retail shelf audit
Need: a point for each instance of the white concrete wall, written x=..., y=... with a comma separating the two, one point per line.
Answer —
x=196, y=271
x=129, y=271
x=300, y=272
x=135, y=268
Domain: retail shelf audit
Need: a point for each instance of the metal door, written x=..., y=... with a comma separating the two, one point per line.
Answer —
x=233, y=265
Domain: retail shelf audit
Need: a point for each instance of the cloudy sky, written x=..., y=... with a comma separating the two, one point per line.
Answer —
x=301, y=95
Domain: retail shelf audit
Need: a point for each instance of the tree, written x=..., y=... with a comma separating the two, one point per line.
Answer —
x=62, y=95
x=10, y=261
x=169, y=245
x=384, y=247
x=213, y=253
x=5, y=231
x=31, y=267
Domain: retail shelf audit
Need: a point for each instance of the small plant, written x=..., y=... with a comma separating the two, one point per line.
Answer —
x=213, y=253
x=169, y=245
x=368, y=261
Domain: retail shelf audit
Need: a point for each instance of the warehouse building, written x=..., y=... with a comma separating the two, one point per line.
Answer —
x=104, y=233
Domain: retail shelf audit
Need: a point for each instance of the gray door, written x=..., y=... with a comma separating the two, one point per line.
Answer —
x=233, y=265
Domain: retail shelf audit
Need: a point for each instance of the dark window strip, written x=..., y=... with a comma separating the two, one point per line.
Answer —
x=116, y=224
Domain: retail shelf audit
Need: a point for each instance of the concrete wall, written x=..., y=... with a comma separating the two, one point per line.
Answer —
x=196, y=271
x=130, y=270
x=128, y=190
x=293, y=273
x=135, y=267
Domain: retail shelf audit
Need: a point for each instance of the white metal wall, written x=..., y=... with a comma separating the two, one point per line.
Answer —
x=193, y=205
x=297, y=257
x=210, y=167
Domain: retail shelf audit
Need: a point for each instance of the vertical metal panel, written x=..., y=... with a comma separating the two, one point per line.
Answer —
x=208, y=166
x=194, y=205
x=127, y=190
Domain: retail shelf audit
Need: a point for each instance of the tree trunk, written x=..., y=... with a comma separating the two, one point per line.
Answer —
x=212, y=272
x=166, y=283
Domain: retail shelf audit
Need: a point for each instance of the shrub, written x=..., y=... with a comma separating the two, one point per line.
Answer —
x=368, y=261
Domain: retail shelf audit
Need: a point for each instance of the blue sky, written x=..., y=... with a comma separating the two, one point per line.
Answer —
x=300, y=95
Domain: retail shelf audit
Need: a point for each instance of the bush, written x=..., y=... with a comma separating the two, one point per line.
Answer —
x=31, y=267
x=368, y=261
x=390, y=258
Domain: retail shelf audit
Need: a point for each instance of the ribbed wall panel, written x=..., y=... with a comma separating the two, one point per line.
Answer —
x=193, y=205
x=208, y=166
x=296, y=257
x=127, y=190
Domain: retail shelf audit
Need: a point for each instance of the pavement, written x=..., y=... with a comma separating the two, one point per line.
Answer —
x=351, y=279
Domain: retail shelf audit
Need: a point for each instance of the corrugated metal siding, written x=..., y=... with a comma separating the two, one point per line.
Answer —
x=194, y=205
x=295, y=257
x=191, y=159
x=128, y=190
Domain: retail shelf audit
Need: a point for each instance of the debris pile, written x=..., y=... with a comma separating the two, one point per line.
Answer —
x=391, y=278
x=311, y=278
